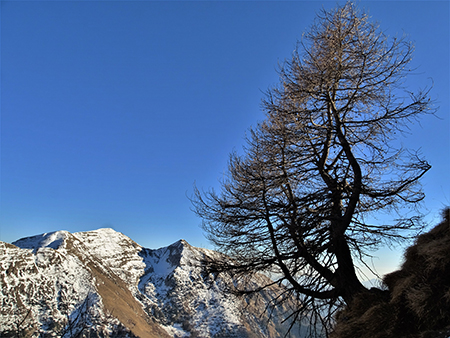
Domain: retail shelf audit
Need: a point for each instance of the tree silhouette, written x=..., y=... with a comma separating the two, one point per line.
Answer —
x=325, y=160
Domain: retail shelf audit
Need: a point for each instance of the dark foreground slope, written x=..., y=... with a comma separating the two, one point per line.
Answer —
x=417, y=300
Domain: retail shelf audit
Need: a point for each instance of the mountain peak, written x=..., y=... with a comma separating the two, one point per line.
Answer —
x=104, y=278
x=52, y=240
x=105, y=231
x=181, y=243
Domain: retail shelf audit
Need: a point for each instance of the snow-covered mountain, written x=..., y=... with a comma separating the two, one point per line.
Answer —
x=102, y=284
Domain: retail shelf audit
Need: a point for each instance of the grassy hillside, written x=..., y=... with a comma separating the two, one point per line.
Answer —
x=416, y=299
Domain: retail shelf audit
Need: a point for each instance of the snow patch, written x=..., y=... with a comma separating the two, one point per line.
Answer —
x=53, y=240
x=176, y=331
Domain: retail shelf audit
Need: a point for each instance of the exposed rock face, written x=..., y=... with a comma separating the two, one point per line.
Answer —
x=102, y=284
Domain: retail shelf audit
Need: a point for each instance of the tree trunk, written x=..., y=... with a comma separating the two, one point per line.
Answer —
x=347, y=280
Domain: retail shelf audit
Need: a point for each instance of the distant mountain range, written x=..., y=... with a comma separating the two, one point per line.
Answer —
x=102, y=284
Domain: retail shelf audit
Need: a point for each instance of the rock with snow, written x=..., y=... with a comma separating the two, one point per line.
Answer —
x=102, y=284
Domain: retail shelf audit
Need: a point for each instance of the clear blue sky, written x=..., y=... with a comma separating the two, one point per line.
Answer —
x=112, y=110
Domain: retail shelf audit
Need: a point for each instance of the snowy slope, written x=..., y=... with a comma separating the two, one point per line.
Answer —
x=43, y=288
x=176, y=284
x=102, y=282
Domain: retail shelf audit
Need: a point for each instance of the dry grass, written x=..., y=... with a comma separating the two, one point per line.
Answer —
x=417, y=303
x=119, y=302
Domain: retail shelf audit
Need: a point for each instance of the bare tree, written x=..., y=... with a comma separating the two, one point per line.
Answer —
x=322, y=163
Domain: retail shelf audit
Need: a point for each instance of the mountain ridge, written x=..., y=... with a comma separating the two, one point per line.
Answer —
x=104, y=283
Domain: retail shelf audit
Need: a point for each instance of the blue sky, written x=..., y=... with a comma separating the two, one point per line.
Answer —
x=112, y=110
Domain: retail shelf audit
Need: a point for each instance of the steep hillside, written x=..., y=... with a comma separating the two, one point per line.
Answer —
x=102, y=284
x=52, y=286
x=416, y=299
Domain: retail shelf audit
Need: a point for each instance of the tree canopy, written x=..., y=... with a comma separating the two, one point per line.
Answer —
x=298, y=202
